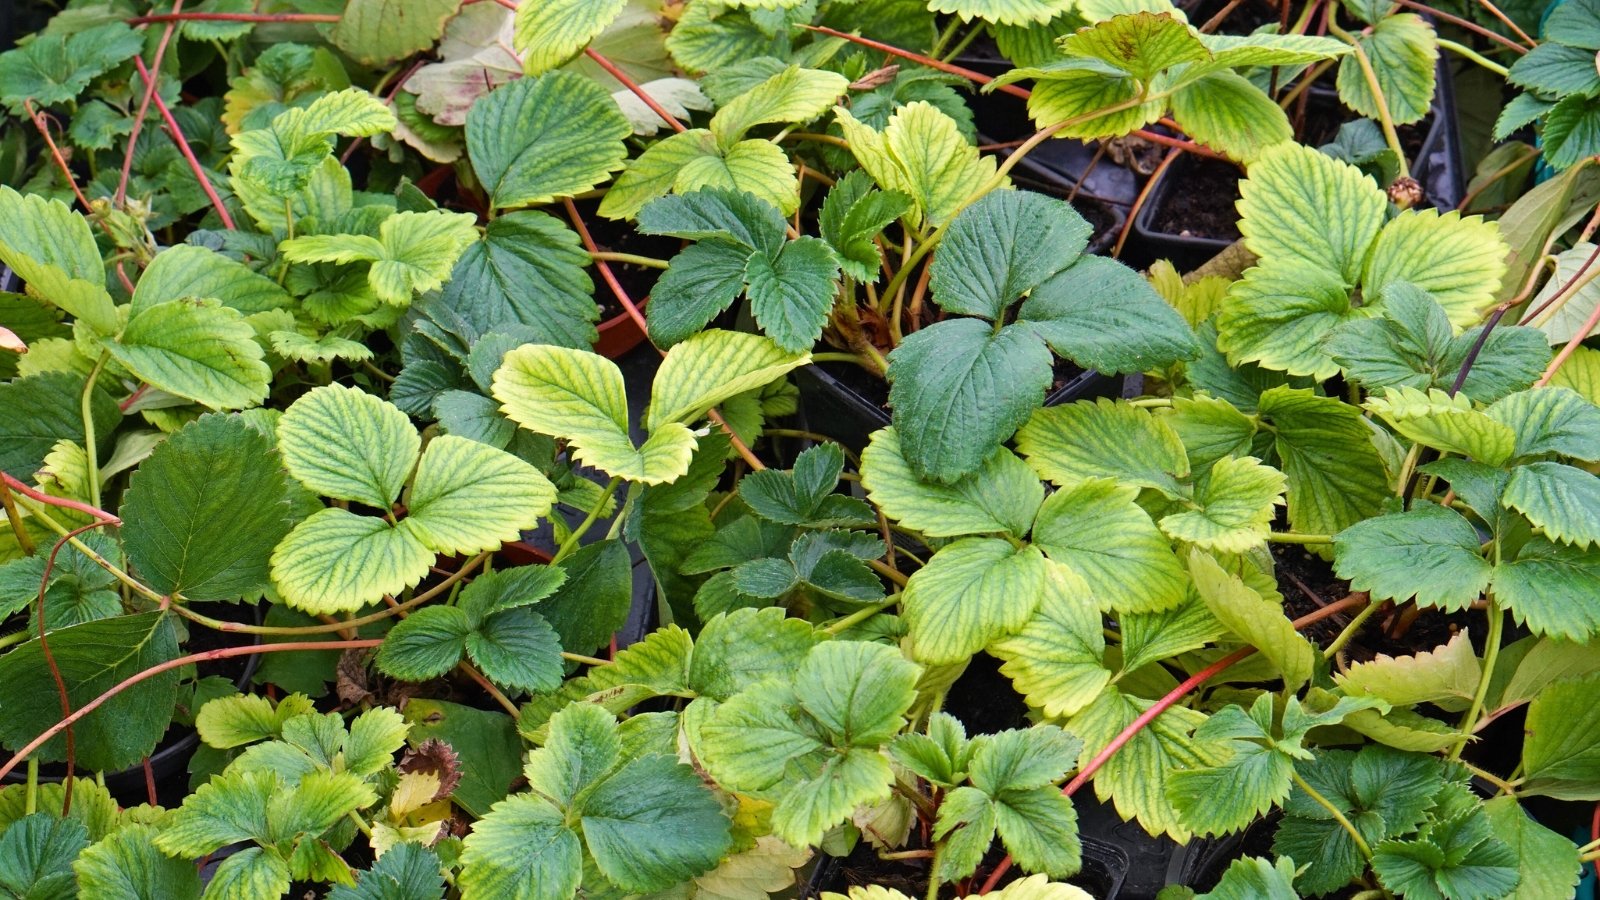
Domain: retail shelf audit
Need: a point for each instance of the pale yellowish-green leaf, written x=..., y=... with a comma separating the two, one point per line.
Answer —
x=52, y=249
x=793, y=95
x=972, y=592
x=304, y=348
x=1003, y=495
x=1581, y=372
x=197, y=349
x=755, y=874
x=1141, y=44
x=922, y=153
x=1099, y=532
x=1057, y=660
x=1003, y=12
x=1226, y=112
x=1300, y=204
x=1197, y=301
x=1280, y=314
x=338, y=562
x=1034, y=887
x=710, y=367
x=1562, y=323
x=549, y=32
x=653, y=173
x=1446, y=676
x=1096, y=98
x=1104, y=438
x=757, y=167
x=1257, y=620
x=469, y=497
x=1410, y=247
x=347, y=444
x=1445, y=422
x=1135, y=778
x=1234, y=508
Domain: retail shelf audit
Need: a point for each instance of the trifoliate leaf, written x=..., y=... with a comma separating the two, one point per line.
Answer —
x=240, y=719
x=469, y=497
x=693, y=161
x=1446, y=422
x=204, y=511
x=1097, y=530
x=920, y=153
x=853, y=213
x=1001, y=247
x=959, y=389
x=792, y=95
x=1057, y=659
x=1563, y=501
x=126, y=864
x=124, y=729
x=941, y=755
x=337, y=561
x=1325, y=449
x=1235, y=507
x=1257, y=620
x=1429, y=553
x=1254, y=878
x=347, y=444
x=579, y=396
x=1127, y=327
x=1002, y=495
x=1252, y=778
x=1281, y=315
x=1074, y=442
x=537, y=139
x=548, y=34
x=1403, y=53
x=711, y=367
x=804, y=495
x=196, y=349
x=1301, y=205
x=1458, y=858
x=1408, y=245
x=54, y=68
x=971, y=593
x=413, y=253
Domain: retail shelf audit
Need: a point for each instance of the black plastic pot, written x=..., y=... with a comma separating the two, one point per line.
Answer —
x=1438, y=166
x=838, y=400
x=169, y=763
x=1105, y=870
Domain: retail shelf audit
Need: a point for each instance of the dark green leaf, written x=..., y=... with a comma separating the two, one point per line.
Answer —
x=792, y=293
x=485, y=741
x=405, y=872
x=38, y=411
x=1102, y=315
x=527, y=270
x=853, y=213
x=699, y=283
x=36, y=855
x=1003, y=246
x=593, y=603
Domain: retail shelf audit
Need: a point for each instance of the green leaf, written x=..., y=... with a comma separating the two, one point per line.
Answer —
x=1325, y=449
x=1282, y=315
x=1561, y=500
x=959, y=389
x=693, y=161
x=593, y=602
x=1136, y=777
x=36, y=855
x=1002, y=12
x=1560, y=757
x=517, y=648
x=1551, y=588
x=1301, y=205
x=711, y=367
x=426, y=644
x=741, y=648
x=1458, y=858
x=1571, y=130
x=1429, y=553
x=1057, y=659
x=1253, y=878
x=1446, y=676
x=39, y=410
x=1001, y=247
x=486, y=743
x=804, y=495
x=1127, y=327
x=1403, y=52
x=1236, y=506
x=1002, y=495
x=204, y=511
x=1140, y=44
x=537, y=139
x=853, y=213
x=414, y=252
x=700, y=283
x=1551, y=420
x=92, y=658
x=527, y=270
x=469, y=497
x=792, y=95
x=338, y=562
x=127, y=866
x=404, y=872
x=579, y=397
x=522, y=849
x=922, y=154
x=1076, y=90
x=186, y=271
x=1409, y=244
x=1449, y=423
x=971, y=593
x=654, y=824
x=54, y=68
x=1251, y=780
x=376, y=32
x=1097, y=530
x=792, y=295
x=548, y=34
x=737, y=217
x=196, y=349
x=1227, y=111
x=1259, y=621
x=252, y=872
x=1554, y=68
x=347, y=444
x=1103, y=438
x=1547, y=863
x=941, y=755
x=1152, y=637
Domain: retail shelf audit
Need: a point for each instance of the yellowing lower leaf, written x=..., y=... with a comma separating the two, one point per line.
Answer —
x=550, y=32
x=347, y=444
x=1299, y=204
x=197, y=349
x=710, y=367
x=1057, y=660
x=470, y=497
x=1411, y=246
x=970, y=593
x=1445, y=422
x=792, y=95
x=338, y=562
x=1234, y=507
x=1259, y=621
x=922, y=153
x=1100, y=533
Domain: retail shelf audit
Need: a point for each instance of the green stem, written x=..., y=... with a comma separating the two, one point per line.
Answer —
x=860, y=615
x=571, y=543
x=38, y=510
x=1504, y=785
x=948, y=33
x=846, y=358
x=90, y=451
x=586, y=660
x=1361, y=842
x=933, y=873
x=16, y=637
x=1151, y=403
x=1408, y=466
x=1289, y=537
x=1491, y=655
x=1350, y=630
x=632, y=258
x=361, y=823
x=1390, y=136
x=14, y=516
x=964, y=43
x=622, y=516
x=1474, y=56
x=30, y=800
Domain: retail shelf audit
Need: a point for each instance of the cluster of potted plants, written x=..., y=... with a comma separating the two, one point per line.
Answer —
x=763, y=448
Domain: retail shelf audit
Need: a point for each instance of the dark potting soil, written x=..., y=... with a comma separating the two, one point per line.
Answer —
x=984, y=700
x=613, y=236
x=1244, y=19
x=1101, y=875
x=1199, y=201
